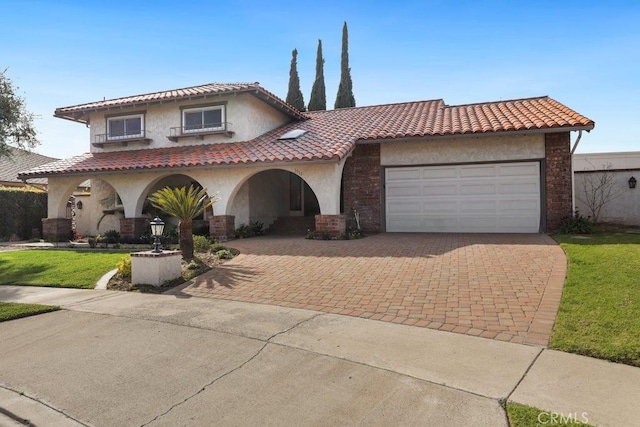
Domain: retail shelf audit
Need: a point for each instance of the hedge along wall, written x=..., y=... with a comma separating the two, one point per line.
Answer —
x=21, y=213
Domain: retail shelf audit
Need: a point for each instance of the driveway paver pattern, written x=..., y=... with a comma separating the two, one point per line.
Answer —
x=501, y=286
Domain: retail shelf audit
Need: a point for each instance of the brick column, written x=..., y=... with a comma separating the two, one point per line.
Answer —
x=335, y=225
x=222, y=227
x=132, y=228
x=56, y=229
x=361, y=184
x=557, y=179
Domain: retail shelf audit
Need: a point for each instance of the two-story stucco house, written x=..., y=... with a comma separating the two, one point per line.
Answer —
x=419, y=166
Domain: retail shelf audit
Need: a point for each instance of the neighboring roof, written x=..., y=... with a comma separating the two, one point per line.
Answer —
x=331, y=135
x=80, y=113
x=21, y=160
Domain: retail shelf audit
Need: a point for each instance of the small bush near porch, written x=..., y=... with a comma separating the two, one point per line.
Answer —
x=56, y=268
x=598, y=314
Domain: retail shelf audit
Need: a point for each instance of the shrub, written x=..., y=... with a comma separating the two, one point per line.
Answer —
x=112, y=236
x=92, y=242
x=252, y=229
x=124, y=266
x=21, y=213
x=201, y=243
x=217, y=247
x=224, y=254
x=576, y=224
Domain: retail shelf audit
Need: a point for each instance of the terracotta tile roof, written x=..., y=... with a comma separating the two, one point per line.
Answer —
x=331, y=135
x=80, y=113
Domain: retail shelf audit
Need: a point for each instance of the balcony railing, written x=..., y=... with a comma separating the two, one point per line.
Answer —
x=100, y=140
x=199, y=131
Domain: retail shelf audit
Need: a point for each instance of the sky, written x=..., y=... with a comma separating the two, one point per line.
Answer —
x=584, y=54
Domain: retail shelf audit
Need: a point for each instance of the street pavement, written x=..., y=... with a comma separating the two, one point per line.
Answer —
x=127, y=359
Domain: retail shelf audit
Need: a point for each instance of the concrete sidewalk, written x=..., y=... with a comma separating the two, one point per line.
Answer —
x=113, y=358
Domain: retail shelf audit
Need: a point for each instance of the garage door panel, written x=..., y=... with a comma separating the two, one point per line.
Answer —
x=477, y=171
x=406, y=207
x=476, y=207
x=441, y=206
x=403, y=174
x=519, y=169
x=478, y=189
x=439, y=189
x=439, y=172
x=490, y=198
x=520, y=188
x=404, y=191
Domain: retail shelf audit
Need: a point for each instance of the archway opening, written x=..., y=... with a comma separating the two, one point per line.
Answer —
x=279, y=199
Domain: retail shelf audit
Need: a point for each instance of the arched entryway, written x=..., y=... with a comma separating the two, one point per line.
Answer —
x=277, y=198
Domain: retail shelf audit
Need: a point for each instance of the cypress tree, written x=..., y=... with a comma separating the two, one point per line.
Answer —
x=294, y=95
x=318, y=100
x=345, y=96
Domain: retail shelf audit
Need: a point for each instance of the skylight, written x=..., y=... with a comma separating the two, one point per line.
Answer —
x=293, y=134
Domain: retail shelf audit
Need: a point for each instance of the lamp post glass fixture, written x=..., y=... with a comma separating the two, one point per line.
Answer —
x=157, y=227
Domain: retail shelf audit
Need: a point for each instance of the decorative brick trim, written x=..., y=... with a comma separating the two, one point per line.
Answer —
x=222, y=227
x=362, y=184
x=150, y=254
x=132, y=228
x=56, y=229
x=558, y=188
x=335, y=225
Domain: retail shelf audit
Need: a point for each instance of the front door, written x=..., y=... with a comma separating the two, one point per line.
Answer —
x=296, y=195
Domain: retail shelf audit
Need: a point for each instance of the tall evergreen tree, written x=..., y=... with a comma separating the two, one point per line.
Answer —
x=294, y=95
x=318, y=100
x=345, y=96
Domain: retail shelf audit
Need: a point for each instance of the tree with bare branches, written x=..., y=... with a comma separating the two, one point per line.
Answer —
x=598, y=189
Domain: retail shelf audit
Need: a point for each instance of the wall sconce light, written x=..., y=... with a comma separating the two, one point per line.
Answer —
x=632, y=182
x=79, y=205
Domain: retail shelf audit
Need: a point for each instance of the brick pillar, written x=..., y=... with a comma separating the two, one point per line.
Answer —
x=559, y=201
x=132, y=228
x=222, y=227
x=56, y=229
x=361, y=186
x=335, y=225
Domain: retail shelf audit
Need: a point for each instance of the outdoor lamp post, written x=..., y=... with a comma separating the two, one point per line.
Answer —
x=157, y=227
x=632, y=182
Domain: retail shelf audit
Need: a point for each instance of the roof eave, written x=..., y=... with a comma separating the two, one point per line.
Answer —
x=588, y=128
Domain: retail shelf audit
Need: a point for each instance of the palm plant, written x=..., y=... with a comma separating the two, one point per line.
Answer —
x=184, y=204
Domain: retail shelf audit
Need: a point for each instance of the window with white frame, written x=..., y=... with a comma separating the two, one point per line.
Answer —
x=203, y=119
x=124, y=127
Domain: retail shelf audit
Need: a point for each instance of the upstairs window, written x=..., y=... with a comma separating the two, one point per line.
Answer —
x=203, y=119
x=125, y=127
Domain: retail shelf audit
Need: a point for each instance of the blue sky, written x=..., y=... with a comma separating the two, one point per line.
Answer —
x=584, y=54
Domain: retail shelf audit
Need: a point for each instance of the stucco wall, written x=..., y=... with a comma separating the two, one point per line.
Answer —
x=268, y=196
x=102, y=197
x=624, y=208
x=248, y=117
x=463, y=150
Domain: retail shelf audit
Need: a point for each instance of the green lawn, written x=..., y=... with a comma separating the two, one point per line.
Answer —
x=599, y=314
x=10, y=310
x=527, y=416
x=57, y=268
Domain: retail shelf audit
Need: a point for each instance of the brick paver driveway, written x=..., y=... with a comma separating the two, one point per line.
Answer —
x=500, y=286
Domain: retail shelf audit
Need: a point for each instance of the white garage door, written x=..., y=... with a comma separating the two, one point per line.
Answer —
x=484, y=198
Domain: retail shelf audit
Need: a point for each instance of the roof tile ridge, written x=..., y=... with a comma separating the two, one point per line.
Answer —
x=439, y=100
x=498, y=102
x=158, y=92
